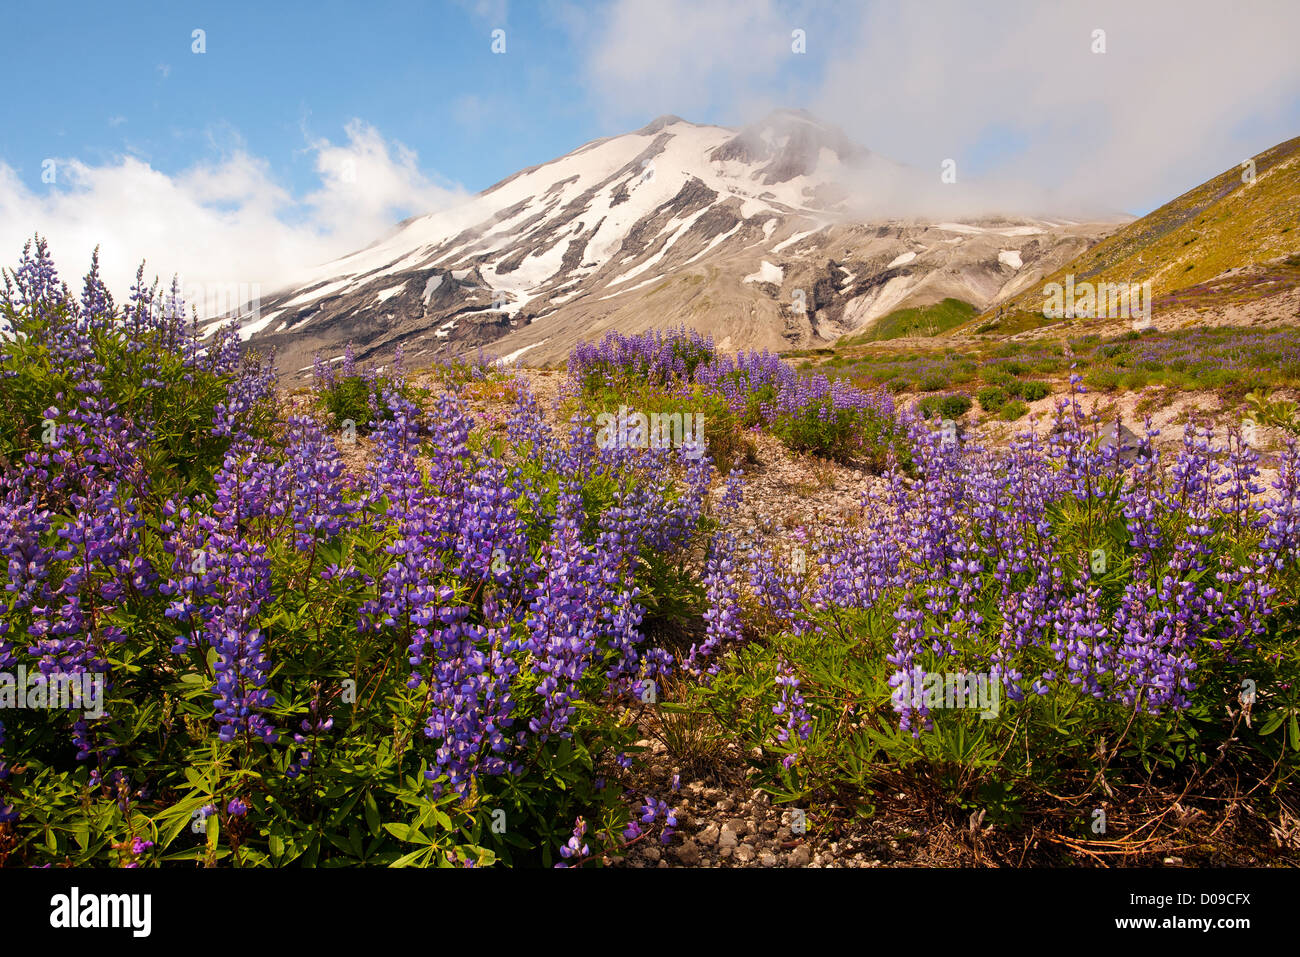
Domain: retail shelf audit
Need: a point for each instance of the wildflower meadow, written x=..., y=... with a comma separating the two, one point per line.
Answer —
x=378, y=627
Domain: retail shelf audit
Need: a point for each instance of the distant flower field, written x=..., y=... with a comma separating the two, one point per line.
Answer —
x=1238, y=360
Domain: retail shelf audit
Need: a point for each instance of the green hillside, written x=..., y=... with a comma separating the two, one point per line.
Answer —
x=1223, y=224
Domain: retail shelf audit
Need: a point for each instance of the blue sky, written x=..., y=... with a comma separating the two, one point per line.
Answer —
x=234, y=156
x=128, y=82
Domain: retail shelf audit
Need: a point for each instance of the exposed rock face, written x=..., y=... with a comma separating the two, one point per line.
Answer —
x=674, y=224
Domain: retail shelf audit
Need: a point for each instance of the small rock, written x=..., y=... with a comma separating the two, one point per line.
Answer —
x=709, y=836
x=651, y=853
x=745, y=853
x=726, y=852
x=688, y=853
x=759, y=796
x=739, y=825
x=800, y=856
x=726, y=804
x=767, y=859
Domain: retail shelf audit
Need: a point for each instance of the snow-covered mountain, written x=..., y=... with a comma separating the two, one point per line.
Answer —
x=747, y=235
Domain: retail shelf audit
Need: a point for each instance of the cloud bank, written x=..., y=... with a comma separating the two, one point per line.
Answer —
x=1009, y=89
x=222, y=224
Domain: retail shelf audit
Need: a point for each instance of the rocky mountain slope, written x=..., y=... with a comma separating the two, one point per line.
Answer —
x=748, y=236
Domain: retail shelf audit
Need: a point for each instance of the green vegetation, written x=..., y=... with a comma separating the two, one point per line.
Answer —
x=930, y=320
x=1277, y=413
x=1033, y=390
x=952, y=406
x=1013, y=410
x=992, y=398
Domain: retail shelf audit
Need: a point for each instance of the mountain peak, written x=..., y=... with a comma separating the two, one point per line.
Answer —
x=788, y=143
x=658, y=123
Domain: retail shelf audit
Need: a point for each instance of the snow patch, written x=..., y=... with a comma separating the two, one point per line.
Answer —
x=320, y=293
x=518, y=352
x=721, y=237
x=791, y=241
x=902, y=260
x=385, y=294
x=245, y=332
x=1011, y=257
x=767, y=272
x=431, y=287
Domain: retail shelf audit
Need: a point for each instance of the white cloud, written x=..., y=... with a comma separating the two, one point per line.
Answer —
x=685, y=56
x=220, y=223
x=1185, y=89
x=1162, y=109
x=494, y=12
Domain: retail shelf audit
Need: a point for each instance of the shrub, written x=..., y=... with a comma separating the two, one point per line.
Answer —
x=991, y=398
x=1004, y=380
x=843, y=434
x=354, y=398
x=361, y=398
x=1033, y=390
x=933, y=381
x=1013, y=410
x=1103, y=377
x=1134, y=380
x=952, y=406
x=728, y=444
